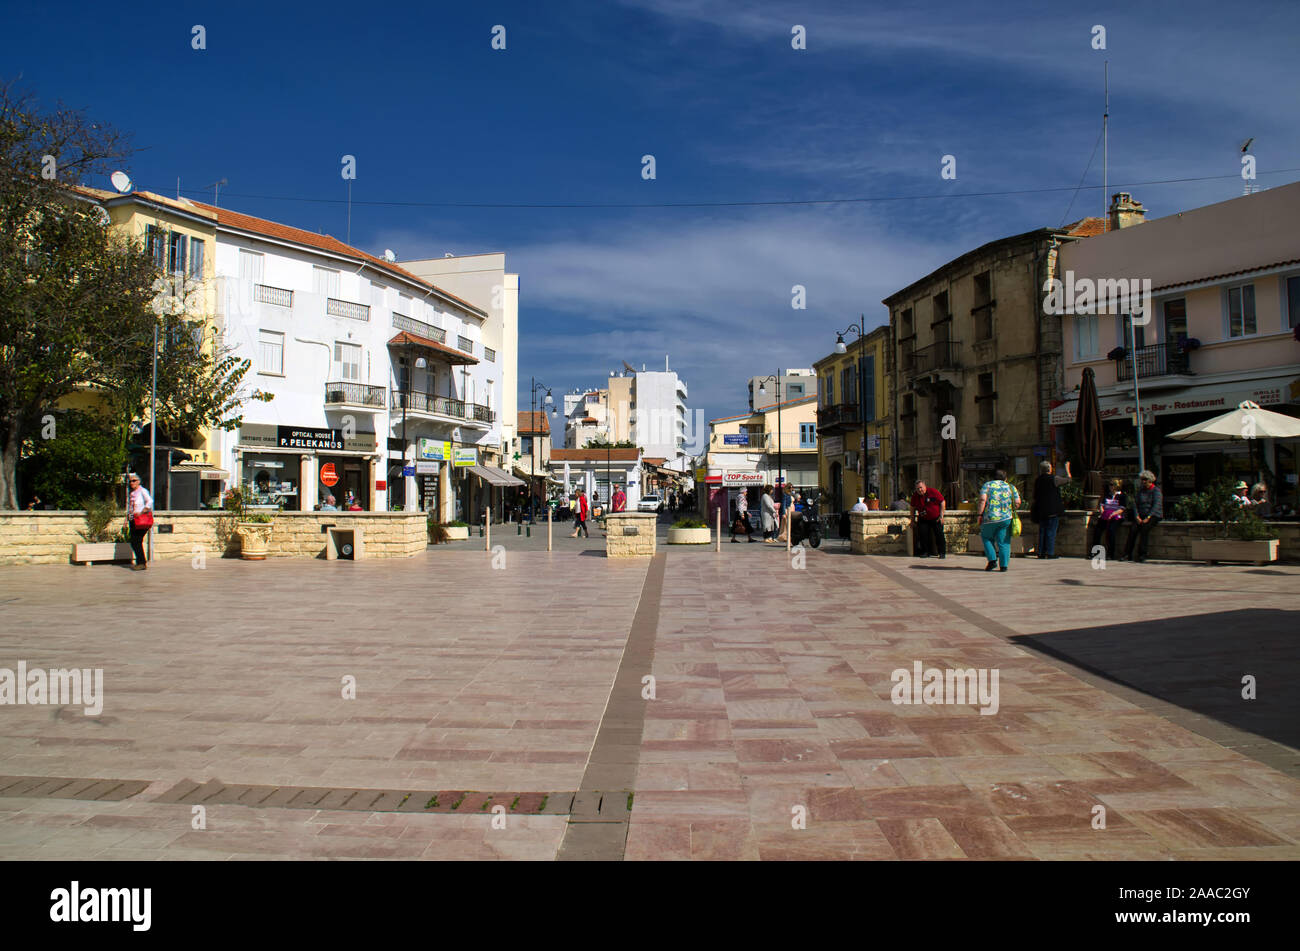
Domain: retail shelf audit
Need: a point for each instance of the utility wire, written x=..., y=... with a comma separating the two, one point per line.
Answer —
x=1086, y=169
x=744, y=204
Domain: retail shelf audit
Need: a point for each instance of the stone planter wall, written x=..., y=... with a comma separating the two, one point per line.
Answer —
x=48, y=537
x=630, y=534
x=1169, y=541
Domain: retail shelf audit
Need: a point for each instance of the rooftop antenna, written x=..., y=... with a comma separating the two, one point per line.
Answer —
x=1246, y=187
x=348, y=241
x=216, y=192
x=1105, y=156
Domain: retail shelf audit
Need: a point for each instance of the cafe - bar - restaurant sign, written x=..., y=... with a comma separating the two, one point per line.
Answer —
x=296, y=437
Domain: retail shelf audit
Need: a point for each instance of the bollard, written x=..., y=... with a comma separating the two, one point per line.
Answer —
x=789, y=530
x=717, y=542
x=530, y=531
x=548, y=528
x=519, y=528
x=487, y=535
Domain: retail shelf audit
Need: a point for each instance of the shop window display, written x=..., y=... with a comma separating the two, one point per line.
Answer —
x=271, y=482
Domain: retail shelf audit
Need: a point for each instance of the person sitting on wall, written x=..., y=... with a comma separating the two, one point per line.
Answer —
x=329, y=505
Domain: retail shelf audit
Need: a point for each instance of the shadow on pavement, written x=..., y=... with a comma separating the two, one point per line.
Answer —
x=1198, y=663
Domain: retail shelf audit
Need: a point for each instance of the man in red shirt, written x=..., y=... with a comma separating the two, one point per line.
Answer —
x=928, y=510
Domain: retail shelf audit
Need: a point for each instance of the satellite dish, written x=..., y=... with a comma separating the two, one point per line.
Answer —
x=389, y=256
x=449, y=255
x=121, y=181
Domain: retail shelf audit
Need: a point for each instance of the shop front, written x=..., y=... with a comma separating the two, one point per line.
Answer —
x=294, y=468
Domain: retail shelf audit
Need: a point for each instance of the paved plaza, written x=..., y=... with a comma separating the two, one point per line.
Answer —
x=503, y=712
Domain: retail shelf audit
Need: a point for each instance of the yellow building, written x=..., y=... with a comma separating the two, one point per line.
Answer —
x=853, y=461
x=181, y=237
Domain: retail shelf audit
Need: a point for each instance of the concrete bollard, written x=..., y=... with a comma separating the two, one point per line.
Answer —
x=487, y=530
x=548, y=528
x=717, y=542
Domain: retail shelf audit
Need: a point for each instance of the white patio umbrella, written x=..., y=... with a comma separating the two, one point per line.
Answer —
x=566, y=480
x=1247, y=421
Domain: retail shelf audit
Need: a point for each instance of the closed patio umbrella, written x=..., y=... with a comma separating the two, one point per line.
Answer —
x=1092, y=442
x=951, y=466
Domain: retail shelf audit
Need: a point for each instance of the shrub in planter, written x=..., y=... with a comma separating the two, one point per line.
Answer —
x=102, y=515
x=689, y=523
x=437, y=531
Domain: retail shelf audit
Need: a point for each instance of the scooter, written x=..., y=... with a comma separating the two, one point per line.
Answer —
x=807, y=527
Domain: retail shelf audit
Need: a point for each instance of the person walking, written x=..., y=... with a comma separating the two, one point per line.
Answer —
x=999, y=502
x=580, y=512
x=1148, y=510
x=1047, y=509
x=1114, y=504
x=139, y=519
x=741, y=524
x=767, y=509
x=928, y=509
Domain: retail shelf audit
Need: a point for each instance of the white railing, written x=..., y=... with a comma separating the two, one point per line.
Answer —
x=344, y=308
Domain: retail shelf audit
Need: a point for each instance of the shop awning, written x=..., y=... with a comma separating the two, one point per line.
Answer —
x=494, y=476
x=205, y=471
x=545, y=476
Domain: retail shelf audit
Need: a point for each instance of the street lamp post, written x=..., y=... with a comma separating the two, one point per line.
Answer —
x=532, y=473
x=841, y=348
x=762, y=391
x=420, y=364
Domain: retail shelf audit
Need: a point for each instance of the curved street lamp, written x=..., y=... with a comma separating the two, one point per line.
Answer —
x=532, y=472
x=859, y=329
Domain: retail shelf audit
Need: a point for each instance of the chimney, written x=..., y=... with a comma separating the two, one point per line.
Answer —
x=1125, y=212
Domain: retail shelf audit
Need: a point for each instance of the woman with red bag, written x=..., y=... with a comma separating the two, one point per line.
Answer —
x=139, y=518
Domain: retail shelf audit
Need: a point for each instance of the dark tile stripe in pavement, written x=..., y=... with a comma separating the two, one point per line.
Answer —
x=57, y=787
x=598, y=826
x=1277, y=755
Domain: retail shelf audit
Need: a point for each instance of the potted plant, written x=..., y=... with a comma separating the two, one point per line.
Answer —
x=253, y=528
x=457, y=530
x=873, y=503
x=1242, y=534
x=106, y=538
x=689, y=531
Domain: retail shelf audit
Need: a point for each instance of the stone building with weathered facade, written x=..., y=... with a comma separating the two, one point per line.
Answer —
x=972, y=341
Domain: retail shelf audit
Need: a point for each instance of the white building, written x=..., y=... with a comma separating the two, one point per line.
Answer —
x=660, y=418
x=374, y=372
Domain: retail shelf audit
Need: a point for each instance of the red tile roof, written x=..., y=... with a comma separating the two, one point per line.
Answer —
x=1228, y=274
x=323, y=242
x=534, y=423
x=405, y=338
x=1086, y=227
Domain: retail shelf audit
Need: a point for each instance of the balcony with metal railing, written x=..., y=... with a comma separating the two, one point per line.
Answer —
x=423, y=404
x=1156, y=360
x=419, y=328
x=348, y=393
x=940, y=355
x=841, y=414
x=346, y=308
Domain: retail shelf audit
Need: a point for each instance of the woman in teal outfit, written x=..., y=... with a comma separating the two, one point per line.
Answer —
x=999, y=502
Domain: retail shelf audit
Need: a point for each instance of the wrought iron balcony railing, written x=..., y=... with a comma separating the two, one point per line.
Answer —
x=1156, y=360
x=357, y=394
x=942, y=355
x=419, y=328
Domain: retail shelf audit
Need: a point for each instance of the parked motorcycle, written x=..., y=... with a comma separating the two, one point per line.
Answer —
x=806, y=526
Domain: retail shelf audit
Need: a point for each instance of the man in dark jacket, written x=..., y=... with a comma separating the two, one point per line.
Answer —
x=1148, y=510
x=1048, y=507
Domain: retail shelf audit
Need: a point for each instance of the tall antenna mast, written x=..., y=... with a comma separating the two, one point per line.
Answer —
x=1105, y=156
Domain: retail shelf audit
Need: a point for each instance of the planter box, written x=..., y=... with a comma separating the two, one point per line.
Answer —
x=455, y=533
x=254, y=540
x=102, y=551
x=689, y=536
x=1260, y=550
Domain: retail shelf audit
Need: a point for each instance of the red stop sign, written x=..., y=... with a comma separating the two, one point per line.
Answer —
x=328, y=476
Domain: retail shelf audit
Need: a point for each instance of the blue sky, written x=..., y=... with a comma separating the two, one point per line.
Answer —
x=731, y=113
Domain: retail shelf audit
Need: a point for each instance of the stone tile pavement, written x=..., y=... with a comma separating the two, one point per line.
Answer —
x=772, y=692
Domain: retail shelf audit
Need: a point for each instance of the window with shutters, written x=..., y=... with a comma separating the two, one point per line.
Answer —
x=1241, y=310
x=325, y=281
x=176, y=252
x=270, y=352
x=347, y=361
x=198, y=250
x=250, y=267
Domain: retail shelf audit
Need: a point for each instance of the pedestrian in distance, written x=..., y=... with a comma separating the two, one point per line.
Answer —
x=620, y=500
x=1259, y=499
x=139, y=519
x=767, y=510
x=999, y=502
x=928, y=509
x=1147, y=512
x=580, y=513
x=741, y=523
x=1048, y=507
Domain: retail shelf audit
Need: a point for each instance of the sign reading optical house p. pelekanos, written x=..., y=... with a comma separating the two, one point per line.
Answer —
x=296, y=437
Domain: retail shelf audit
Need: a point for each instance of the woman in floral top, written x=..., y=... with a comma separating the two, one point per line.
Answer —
x=999, y=502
